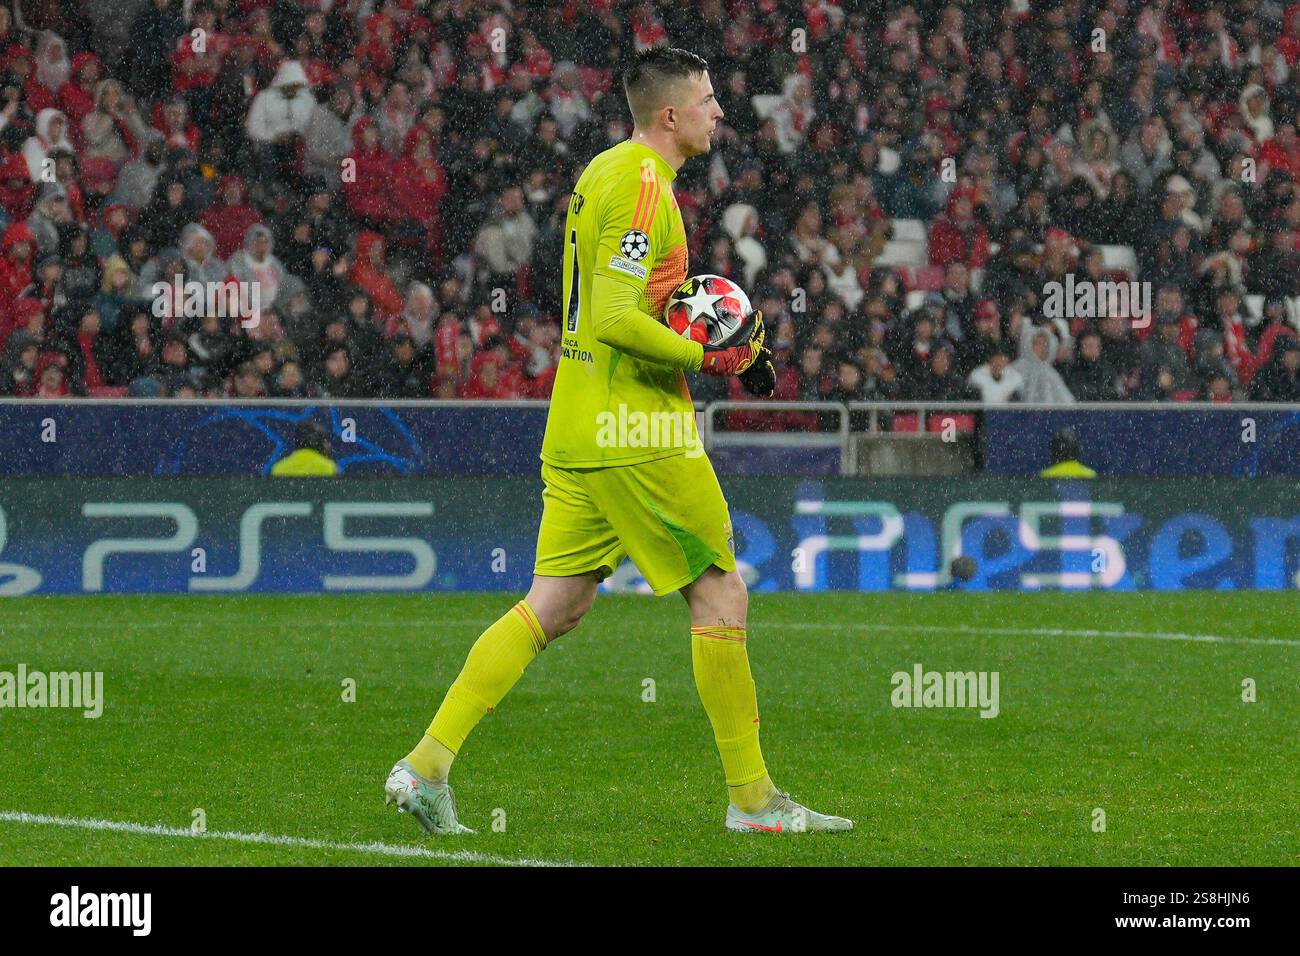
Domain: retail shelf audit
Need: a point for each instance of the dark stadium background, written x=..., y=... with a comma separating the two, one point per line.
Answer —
x=435, y=273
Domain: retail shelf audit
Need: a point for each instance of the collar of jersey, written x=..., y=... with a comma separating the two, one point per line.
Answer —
x=660, y=163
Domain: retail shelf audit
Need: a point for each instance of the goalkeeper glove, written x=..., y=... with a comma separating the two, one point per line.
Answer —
x=738, y=351
x=760, y=378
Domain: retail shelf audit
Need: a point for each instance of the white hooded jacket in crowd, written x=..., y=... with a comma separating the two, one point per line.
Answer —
x=283, y=107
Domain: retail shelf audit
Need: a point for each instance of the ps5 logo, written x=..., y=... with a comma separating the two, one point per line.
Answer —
x=333, y=531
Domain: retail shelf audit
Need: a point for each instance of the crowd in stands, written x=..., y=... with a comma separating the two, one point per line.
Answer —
x=395, y=174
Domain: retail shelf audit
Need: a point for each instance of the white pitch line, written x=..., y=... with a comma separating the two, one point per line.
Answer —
x=413, y=622
x=272, y=839
x=1037, y=632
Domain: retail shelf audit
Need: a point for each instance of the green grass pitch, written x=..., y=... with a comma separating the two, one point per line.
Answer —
x=235, y=705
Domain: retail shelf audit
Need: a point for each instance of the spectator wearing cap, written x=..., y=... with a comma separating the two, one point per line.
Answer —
x=106, y=238
x=986, y=336
x=98, y=180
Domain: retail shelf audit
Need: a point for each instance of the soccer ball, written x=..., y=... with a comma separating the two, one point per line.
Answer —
x=706, y=308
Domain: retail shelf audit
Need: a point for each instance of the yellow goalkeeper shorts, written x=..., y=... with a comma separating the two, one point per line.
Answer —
x=668, y=515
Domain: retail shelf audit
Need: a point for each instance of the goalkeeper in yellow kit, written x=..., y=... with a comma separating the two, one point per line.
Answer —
x=645, y=492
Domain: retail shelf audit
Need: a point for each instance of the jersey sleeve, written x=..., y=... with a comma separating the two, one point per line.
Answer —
x=627, y=245
x=626, y=249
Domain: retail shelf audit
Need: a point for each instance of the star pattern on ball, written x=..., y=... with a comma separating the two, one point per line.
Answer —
x=700, y=302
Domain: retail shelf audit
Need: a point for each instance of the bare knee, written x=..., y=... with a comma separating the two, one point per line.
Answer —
x=570, y=615
x=718, y=597
x=561, y=603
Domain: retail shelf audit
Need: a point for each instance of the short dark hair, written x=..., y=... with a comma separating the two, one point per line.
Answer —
x=1065, y=446
x=651, y=70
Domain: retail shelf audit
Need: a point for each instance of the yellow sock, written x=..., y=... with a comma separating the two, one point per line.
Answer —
x=495, y=662
x=726, y=689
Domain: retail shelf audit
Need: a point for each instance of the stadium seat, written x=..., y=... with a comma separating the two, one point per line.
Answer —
x=1119, y=258
x=909, y=230
x=908, y=422
x=107, y=391
x=962, y=421
x=904, y=254
x=1255, y=307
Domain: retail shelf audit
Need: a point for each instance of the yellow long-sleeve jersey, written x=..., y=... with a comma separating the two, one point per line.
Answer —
x=625, y=253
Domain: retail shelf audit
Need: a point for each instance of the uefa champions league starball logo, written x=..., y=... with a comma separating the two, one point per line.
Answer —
x=635, y=245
